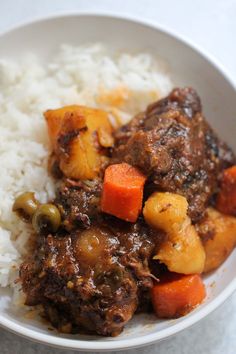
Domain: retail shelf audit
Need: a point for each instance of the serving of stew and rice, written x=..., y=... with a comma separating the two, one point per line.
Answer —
x=125, y=195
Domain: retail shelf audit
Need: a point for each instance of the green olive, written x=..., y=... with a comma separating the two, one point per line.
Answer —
x=47, y=218
x=25, y=206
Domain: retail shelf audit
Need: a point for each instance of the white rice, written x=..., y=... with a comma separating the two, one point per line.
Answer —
x=120, y=83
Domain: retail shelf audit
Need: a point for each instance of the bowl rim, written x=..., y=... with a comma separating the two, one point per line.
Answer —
x=97, y=345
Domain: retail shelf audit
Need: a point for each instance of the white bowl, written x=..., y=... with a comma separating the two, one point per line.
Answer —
x=187, y=66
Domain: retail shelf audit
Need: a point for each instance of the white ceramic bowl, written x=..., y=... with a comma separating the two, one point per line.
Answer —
x=187, y=66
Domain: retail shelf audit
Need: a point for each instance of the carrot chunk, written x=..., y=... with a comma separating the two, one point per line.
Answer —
x=226, y=200
x=122, y=193
x=177, y=294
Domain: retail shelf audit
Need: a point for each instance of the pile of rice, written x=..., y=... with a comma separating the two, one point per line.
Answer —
x=121, y=83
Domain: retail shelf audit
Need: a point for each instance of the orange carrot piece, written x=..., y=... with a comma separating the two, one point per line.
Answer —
x=177, y=294
x=226, y=200
x=122, y=193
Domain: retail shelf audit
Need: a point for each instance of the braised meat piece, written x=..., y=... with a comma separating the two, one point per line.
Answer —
x=78, y=202
x=92, y=279
x=175, y=147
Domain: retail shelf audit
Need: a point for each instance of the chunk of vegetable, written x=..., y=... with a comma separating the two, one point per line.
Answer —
x=47, y=218
x=25, y=206
x=226, y=201
x=221, y=240
x=177, y=294
x=165, y=210
x=182, y=251
x=91, y=246
x=79, y=137
x=122, y=193
x=54, y=119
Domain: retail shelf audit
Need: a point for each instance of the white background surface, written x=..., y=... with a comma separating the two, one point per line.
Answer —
x=211, y=24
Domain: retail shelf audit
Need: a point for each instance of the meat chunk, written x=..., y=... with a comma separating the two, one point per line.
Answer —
x=175, y=147
x=91, y=279
x=78, y=202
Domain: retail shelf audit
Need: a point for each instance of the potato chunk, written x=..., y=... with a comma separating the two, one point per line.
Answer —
x=182, y=252
x=165, y=210
x=79, y=138
x=218, y=232
x=54, y=119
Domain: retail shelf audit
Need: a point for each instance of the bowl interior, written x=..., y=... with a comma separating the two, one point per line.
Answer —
x=186, y=67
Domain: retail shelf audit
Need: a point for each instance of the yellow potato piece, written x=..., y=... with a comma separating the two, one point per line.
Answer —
x=79, y=136
x=54, y=119
x=182, y=251
x=83, y=161
x=164, y=210
x=221, y=240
